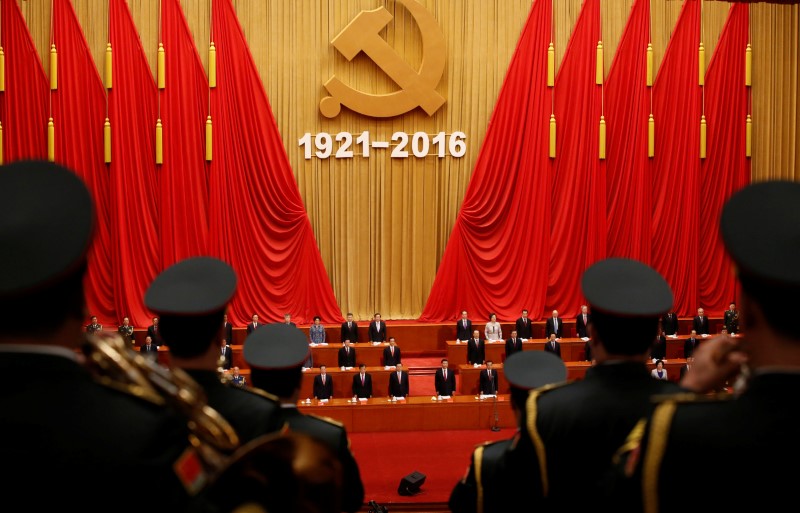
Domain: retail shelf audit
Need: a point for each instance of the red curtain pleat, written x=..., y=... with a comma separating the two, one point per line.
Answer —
x=79, y=111
x=628, y=174
x=24, y=104
x=134, y=191
x=676, y=166
x=578, y=190
x=497, y=253
x=183, y=198
x=258, y=222
x=726, y=169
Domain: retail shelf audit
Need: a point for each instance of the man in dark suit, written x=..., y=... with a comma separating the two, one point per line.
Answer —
x=553, y=345
x=445, y=380
x=323, y=384
x=227, y=354
x=253, y=324
x=149, y=349
x=349, y=329
x=524, y=328
x=126, y=332
x=154, y=332
x=582, y=322
x=463, y=327
x=377, y=329
x=347, y=355
x=227, y=329
x=731, y=319
x=476, y=349
x=553, y=325
x=391, y=354
x=362, y=383
x=658, y=351
x=686, y=366
x=670, y=323
x=700, y=323
x=690, y=345
x=398, y=382
x=488, y=381
x=513, y=344
x=287, y=320
x=275, y=354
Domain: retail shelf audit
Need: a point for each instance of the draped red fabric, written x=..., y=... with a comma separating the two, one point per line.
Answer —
x=676, y=108
x=726, y=169
x=79, y=111
x=497, y=252
x=183, y=199
x=258, y=222
x=133, y=186
x=23, y=105
x=578, y=191
x=628, y=174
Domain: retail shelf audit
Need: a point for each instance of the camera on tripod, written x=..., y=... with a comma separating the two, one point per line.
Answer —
x=374, y=507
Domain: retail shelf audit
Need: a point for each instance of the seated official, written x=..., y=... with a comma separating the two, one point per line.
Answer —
x=362, y=383
x=149, y=349
x=237, y=379
x=323, y=384
x=398, y=382
x=391, y=354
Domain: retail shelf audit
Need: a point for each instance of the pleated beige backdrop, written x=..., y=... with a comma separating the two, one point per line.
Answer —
x=382, y=224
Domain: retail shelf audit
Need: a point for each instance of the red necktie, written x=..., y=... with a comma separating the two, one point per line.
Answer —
x=323, y=379
x=392, y=351
x=362, y=379
x=445, y=374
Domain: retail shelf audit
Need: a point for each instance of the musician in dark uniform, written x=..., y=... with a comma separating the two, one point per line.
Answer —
x=488, y=486
x=276, y=353
x=76, y=443
x=125, y=331
x=191, y=296
x=743, y=444
x=573, y=430
x=94, y=326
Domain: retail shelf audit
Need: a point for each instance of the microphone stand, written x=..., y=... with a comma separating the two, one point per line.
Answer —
x=495, y=427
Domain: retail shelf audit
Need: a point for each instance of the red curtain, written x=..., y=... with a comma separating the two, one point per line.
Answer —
x=23, y=109
x=183, y=198
x=134, y=191
x=497, y=252
x=79, y=111
x=628, y=175
x=578, y=191
x=726, y=169
x=676, y=107
x=258, y=222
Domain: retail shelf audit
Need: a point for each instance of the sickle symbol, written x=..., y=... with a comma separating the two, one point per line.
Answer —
x=417, y=88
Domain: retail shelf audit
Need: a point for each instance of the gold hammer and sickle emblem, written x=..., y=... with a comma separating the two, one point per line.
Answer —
x=417, y=87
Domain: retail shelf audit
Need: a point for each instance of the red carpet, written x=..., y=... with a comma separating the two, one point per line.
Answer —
x=443, y=456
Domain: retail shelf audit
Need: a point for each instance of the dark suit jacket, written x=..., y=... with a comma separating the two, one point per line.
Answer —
x=388, y=359
x=376, y=335
x=524, y=329
x=476, y=351
x=227, y=332
x=689, y=346
x=153, y=349
x=659, y=349
x=323, y=391
x=548, y=329
x=350, y=333
x=587, y=351
x=670, y=323
x=684, y=370
x=156, y=335
x=550, y=349
x=512, y=346
x=398, y=388
x=701, y=327
x=345, y=359
x=463, y=333
x=580, y=326
x=488, y=386
x=228, y=357
x=250, y=327
x=365, y=389
x=447, y=386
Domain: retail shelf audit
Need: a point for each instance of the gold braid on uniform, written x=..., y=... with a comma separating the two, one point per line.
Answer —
x=538, y=444
x=659, y=430
x=478, y=459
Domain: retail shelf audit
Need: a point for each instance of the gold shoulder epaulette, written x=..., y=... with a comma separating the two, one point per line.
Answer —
x=132, y=389
x=259, y=392
x=327, y=419
x=691, y=397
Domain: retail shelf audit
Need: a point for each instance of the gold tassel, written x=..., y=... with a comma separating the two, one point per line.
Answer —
x=161, y=66
x=649, y=65
x=703, y=136
x=748, y=66
x=651, y=137
x=107, y=141
x=748, y=145
x=53, y=67
x=701, y=61
x=208, y=139
x=159, y=142
x=212, y=65
x=602, y=137
x=108, y=68
x=1, y=144
x=552, y=136
x=2, y=70
x=551, y=65
x=598, y=79
x=51, y=141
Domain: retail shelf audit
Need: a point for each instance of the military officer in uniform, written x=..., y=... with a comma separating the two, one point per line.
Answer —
x=276, y=353
x=190, y=298
x=571, y=431
x=125, y=331
x=237, y=379
x=94, y=326
x=744, y=445
x=488, y=485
